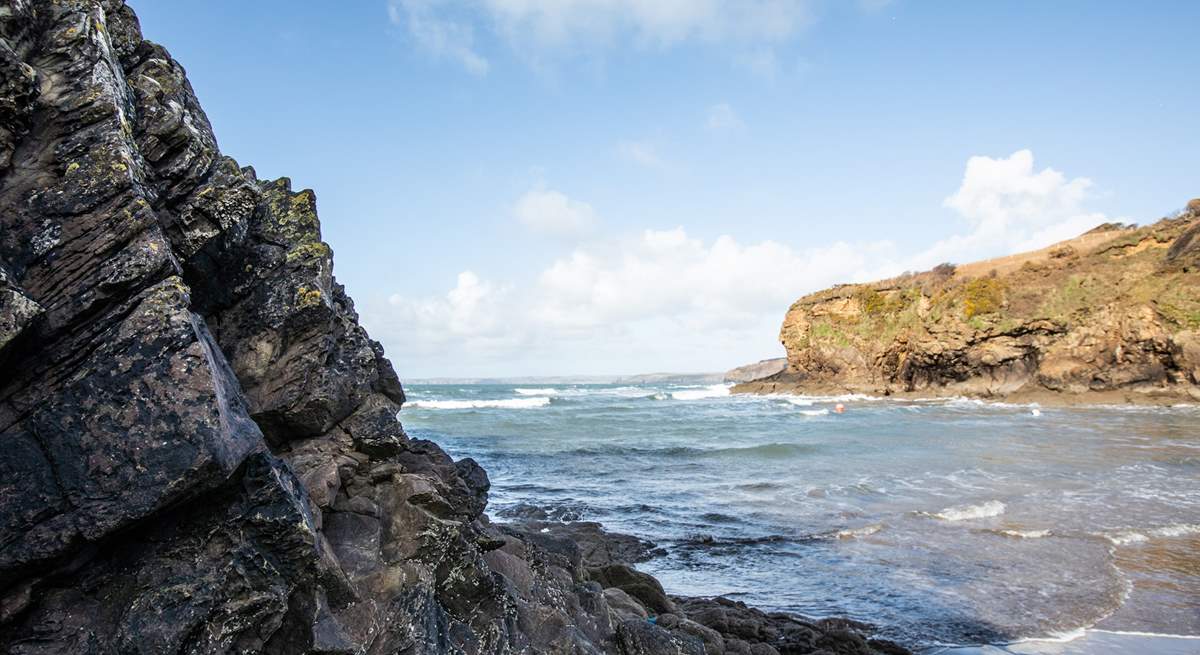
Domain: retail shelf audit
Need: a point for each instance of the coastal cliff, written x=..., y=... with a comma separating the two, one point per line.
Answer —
x=1110, y=316
x=201, y=451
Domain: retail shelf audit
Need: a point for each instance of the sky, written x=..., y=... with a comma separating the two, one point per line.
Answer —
x=558, y=187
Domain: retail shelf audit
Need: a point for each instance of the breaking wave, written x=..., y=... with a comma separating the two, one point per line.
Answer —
x=505, y=403
x=548, y=391
x=1126, y=537
x=711, y=391
x=968, y=512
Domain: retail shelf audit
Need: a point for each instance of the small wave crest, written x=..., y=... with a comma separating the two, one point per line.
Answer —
x=504, y=403
x=854, y=533
x=1126, y=537
x=548, y=391
x=967, y=512
x=1024, y=534
x=711, y=391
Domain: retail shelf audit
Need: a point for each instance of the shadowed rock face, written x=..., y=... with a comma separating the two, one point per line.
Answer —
x=200, y=445
x=1113, y=315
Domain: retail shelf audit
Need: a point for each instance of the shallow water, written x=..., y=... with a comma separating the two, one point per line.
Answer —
x=943, y=522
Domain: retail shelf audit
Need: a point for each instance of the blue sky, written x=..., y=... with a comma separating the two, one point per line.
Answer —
x=524, y=187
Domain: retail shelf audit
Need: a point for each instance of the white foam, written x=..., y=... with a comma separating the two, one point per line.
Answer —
x=1135, y=633
x=1026, y=534
x=1180, y=530
x=549, y=391
x=966, y=512
x=1126, y=537
x=506, y=403
x=814, y=412
x=711, y=391
x=852, y=533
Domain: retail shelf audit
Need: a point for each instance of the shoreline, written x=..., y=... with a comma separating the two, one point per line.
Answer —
x=601, y=549
x=1085, y=641
x=1040, y=397
x=713, y=623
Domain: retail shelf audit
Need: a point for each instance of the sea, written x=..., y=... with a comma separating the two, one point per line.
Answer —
x=952, y=525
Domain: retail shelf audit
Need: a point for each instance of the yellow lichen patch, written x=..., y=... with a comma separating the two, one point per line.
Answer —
x=309, y=251
x=307, y=297
x=72, y=167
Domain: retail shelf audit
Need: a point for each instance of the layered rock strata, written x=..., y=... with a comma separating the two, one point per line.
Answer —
x=200, y=445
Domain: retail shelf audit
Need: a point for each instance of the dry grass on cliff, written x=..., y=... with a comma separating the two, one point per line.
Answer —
x=1111, y=268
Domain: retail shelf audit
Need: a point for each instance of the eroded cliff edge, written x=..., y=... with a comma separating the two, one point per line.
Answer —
x=1110, y=316
x=200, y=449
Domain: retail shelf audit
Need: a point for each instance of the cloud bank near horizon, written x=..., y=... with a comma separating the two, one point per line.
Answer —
x=677, y=302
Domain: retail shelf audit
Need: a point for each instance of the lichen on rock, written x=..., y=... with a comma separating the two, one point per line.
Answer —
x=201, y=445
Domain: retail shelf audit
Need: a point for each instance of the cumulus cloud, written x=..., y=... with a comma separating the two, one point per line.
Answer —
x=448, y=28
x=667, y=273
x=470, y=316
x=434, y=31
x=553, y=213
x=1009, y=206
x=722, y=117
x=668, y=299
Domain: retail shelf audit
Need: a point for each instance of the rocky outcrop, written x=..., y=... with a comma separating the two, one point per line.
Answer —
x=756, y=371
x=200, y=445
x=1111, y=316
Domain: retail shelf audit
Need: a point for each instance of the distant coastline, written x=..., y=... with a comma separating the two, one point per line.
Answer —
x=1109, y=317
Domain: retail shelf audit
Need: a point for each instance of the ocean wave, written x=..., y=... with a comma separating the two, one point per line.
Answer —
x=814, y=412
x=1126, y=537
x=1024, y=534
x=548, y=391
x=854, y=533
x=505, y=403
x=769, y=450
x=711, y=391
x=967, y=512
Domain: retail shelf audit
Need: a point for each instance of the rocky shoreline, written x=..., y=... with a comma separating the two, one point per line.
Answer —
x=1044, y=397
x=201, y=445
x=701, y=625
x=1109, y=317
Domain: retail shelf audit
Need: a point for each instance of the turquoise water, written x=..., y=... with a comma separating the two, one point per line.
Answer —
x=942, y=522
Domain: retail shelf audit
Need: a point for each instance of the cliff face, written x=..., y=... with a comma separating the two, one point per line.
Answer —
x=1111, y=315
x=200, y=449
x=757, y=370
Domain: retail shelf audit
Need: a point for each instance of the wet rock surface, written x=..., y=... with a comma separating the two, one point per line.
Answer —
x=201, y=450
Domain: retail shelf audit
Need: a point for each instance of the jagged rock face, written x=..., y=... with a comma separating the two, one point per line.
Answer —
x=1116, y=311
x=201, y=451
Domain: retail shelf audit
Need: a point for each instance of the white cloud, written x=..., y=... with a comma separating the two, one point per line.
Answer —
x=641, y=153
x=471, y=315
x=562, y=23
x=553, y=213
x=722, y=117
x=1010, y=207
x=667, y=273
x=659, y=299
x=668, y=300
x=448, y=28
x=438, y=34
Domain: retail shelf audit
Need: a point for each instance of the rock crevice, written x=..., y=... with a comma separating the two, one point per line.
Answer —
x=201, y=451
